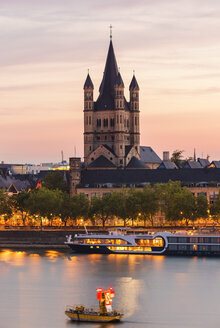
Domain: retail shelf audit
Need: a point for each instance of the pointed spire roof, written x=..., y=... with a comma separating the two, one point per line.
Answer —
x=118, y=81
x=134, y=85
x=110, y=72
x=105, y=100
x=88, y=83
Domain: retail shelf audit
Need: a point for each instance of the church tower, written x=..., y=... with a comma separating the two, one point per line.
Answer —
x=88, y=115
x=111, y=123
x=134, y=108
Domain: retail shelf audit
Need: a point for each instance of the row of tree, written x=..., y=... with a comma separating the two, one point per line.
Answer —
x=169, y=201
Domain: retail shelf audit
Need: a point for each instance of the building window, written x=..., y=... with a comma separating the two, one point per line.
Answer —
x=127, y=123
x=86, y=120
x=120, y=146
x=98, y=122
x=105, y=122
x=112, y=122
x=105, y=137
x=135, y=120
x=90, y=148
x=90, y=120
x=98, y=138
x=121, y=161
x=113, y=138
x=121, y=119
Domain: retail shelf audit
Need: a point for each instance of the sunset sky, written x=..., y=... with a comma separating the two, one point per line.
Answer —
x=47, y=47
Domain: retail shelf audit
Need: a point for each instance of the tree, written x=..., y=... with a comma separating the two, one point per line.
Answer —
x=176, y=203
x=176, y=157
x=79, y=206
x=65, y=210
x=149, y=204
x=21, y=204
x=44, y=203
x=201, y=207
x=184, y=206
x=133, y=204
x=6, y=204
x=102, y=208
x=54, y=180
x=119, y=205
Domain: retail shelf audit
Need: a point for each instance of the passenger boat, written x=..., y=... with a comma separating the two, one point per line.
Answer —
x=103, y=314
x=159, y=243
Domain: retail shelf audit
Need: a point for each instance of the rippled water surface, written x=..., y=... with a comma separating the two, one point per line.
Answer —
x=152, y=291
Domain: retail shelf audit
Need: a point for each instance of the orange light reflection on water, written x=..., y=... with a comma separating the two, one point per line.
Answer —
x=15, y=258
x=53, y=255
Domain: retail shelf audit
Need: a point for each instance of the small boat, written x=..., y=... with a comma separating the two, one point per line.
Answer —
x=103, y=314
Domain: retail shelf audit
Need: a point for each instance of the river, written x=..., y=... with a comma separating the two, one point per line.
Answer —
x=153, y=291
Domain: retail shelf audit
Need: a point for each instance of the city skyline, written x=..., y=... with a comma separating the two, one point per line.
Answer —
x=48, y=48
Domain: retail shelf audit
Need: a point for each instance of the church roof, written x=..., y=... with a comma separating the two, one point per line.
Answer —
x=118, y=81
x=101, y=162
x=136, y=163
x=88, y=83
x=148, y=155
x=111, y=76
x=133, y=85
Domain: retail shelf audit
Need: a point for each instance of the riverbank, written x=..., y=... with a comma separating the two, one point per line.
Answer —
x=55, y=239
x=31, y=239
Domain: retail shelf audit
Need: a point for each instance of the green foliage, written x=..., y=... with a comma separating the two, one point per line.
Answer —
x=44, y=202
x=201, y=207
x=6, y=204
x=20, y=204
x=103, y=208
x=176, y=202
x=133, y=203
x=79, y=206
x=54, y=180
x=177, y=156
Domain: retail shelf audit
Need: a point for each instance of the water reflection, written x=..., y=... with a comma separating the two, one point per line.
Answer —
x=153, y=291
x=15, y=258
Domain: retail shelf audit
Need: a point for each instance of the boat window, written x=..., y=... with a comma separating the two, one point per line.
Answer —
x=105, y=241
x=130, y=249
x=156, y=242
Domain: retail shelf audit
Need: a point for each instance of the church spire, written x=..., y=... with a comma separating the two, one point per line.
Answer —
x=110, y=72
x=133, y=85
x=88, y=83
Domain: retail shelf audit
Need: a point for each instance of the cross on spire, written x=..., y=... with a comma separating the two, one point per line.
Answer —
x=110, y=27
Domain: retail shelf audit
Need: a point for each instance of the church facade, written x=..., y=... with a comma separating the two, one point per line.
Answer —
x=111, y=123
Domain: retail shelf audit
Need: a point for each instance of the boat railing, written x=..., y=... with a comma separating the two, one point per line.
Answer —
x=75, y=307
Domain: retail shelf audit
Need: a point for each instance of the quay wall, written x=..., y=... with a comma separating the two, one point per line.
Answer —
x=34, y=238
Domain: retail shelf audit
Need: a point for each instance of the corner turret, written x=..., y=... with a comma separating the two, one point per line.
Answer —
x=134, y=108
x=119, y=92
x=88, y=93
x=134, y=94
